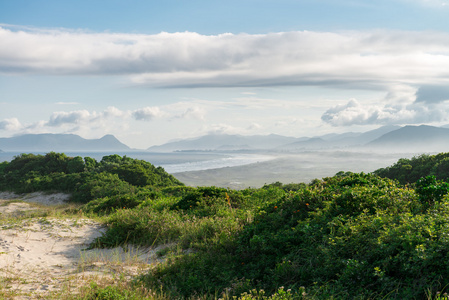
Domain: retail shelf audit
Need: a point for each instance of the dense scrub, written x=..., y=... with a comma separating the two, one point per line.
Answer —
x=410, y=170
x=85, y=178
x=348, y=236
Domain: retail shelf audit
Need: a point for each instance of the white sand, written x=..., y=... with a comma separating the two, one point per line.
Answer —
x=38, y=197
x=41, y=255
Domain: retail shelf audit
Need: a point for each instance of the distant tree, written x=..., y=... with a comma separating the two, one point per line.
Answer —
x=431, y=190
x=90, y=163
x=76, y=165
x=411, y=170
x=55, y=162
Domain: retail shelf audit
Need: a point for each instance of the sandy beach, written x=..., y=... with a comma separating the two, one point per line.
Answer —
x=42, y=256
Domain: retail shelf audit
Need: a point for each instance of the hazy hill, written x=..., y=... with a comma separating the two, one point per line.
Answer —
x=339, y=136
x=413, y=138
x=362, y=138
x=342, y=140
x=309, y=144
x=225, y=142
x=60, y=142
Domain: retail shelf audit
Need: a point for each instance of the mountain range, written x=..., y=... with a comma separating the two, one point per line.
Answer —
x=388, y=138
x=60, y=142
x=421, y=138
x=216, y=142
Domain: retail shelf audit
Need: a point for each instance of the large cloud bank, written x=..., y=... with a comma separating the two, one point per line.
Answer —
x=412, y=68
x=362, y=59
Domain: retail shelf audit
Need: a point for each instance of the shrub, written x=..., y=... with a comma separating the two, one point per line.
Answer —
x=430, y=190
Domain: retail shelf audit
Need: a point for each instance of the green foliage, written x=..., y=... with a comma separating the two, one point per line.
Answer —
x=353, y=235
x=184, y=276
x=280, y=294
x=347, y=236
x=110, y=293
x=177, y=190
x=410, y=170
x=286, y=187
x=85, y=178
x=145, y=226
x=99, y=185
x=90, y=163
x=137, y=172
x=109, y=204
x=202, y=197
x=430, y=190
x=76, y=165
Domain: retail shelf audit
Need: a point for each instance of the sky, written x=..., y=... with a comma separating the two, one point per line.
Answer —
x=149, y=72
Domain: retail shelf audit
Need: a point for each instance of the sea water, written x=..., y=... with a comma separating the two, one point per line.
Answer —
x=173, y=162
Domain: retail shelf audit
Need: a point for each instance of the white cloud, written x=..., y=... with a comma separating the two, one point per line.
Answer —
x=112, y=111
x=354, y=113
x=84, y=117
x=362, y=59
x=147, y=113
x=10, y=124
x=192, y=113
x=66, y=103
x=350, y=113
x=73, y=117
x=111, y=118
x=222, y=128
x=94, y=124
x=432, y=94
x=254, y=126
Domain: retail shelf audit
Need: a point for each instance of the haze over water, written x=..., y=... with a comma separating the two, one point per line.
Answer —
x=239, y=170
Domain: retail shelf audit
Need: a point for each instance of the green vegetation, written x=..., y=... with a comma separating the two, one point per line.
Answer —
x=410, y=170
x=85, y=178
x=358, y=236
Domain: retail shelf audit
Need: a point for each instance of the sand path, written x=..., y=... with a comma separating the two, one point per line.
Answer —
x=41, y=257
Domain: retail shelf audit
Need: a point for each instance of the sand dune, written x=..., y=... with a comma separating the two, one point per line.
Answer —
x=46, y=256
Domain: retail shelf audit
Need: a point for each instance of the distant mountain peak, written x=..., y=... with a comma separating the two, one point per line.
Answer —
x=109, y=137
x=415, y=138
x=224, y=142
x=60, y=142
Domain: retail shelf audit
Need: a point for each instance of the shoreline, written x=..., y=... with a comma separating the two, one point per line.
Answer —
x=289, y=168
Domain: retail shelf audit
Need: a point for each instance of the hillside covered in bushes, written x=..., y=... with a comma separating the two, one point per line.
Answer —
x=361, y=236
x=85, y=178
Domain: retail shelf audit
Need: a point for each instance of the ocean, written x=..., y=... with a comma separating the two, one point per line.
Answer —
x=174, y=162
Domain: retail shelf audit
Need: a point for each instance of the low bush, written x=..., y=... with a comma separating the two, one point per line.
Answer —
x=356, y=235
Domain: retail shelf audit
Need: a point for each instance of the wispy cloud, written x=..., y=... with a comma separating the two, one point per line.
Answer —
x=84, y=117
x=192, y=113
x=362, y=59
x=73, y=117
x=403, y=110
x=111, y=117
x=432, y=94
x=147, y=113
x=10, y=124
x=431, y=3
x=66, y=103
x=221, y=128
x=417, y=62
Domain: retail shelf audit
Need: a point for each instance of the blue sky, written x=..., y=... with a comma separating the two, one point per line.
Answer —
x=152, y=71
